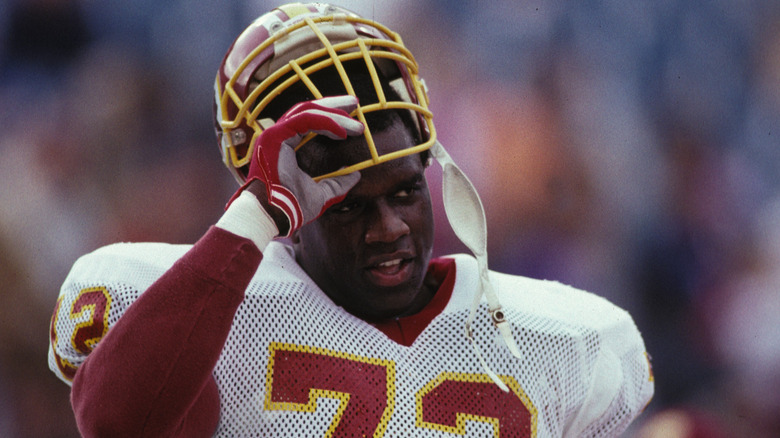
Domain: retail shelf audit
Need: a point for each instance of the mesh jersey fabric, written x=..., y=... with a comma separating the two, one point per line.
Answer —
x=295, y=364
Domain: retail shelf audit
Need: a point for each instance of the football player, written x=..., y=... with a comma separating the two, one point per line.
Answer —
x=348, y=328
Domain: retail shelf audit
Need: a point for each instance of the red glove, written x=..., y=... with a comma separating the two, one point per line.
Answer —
x=273, y=162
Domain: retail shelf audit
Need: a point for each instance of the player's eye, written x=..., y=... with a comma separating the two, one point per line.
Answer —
x=345, y=207
x=406, y=191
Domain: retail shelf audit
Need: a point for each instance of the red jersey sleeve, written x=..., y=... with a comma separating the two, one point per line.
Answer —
x=151, y=375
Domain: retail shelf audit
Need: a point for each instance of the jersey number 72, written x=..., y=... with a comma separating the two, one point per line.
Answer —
x=365, y=387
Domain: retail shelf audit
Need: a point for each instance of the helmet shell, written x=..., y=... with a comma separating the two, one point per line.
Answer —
x=288, y=44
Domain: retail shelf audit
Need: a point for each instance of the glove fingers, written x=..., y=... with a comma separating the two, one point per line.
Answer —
x=345, y=103
x=335, y=189
x=333, y=125
x=347, y=125
x=313, y=197
x=312, y=116
x=344, y=106
x=339, y=186
x=274, y=162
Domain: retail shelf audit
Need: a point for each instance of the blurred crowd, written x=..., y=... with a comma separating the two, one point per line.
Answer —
x=628, y=148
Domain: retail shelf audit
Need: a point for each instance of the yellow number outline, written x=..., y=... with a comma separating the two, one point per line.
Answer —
x=462, y=418
x=343, y=397
x=91, y=308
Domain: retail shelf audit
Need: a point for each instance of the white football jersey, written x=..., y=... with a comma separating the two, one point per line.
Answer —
x=295, y=364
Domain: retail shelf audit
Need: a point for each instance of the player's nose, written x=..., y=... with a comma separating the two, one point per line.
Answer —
x=385, y=225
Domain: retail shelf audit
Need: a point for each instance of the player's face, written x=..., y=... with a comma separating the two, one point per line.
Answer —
x=370, y=252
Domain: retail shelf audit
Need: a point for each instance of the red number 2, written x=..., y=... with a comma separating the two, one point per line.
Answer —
x=96, y=302
x=451, y=399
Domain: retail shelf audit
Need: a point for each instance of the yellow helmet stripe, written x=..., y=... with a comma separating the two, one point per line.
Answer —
x=294, y=9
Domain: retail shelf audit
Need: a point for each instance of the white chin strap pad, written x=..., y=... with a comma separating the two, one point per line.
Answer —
x=467, y=218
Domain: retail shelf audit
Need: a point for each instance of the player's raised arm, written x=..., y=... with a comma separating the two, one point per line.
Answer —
x=151, y=374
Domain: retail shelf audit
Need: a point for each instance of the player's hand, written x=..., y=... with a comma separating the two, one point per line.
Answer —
x=289, y=188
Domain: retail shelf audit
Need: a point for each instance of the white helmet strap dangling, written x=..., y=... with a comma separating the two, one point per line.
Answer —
x=467, y=218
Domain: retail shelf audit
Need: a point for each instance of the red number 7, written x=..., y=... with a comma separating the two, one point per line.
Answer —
x=298, y=375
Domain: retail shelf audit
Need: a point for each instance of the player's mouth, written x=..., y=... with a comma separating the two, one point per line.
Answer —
x=391, y=272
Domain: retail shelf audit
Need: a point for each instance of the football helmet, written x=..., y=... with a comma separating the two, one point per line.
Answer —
x=284, y=48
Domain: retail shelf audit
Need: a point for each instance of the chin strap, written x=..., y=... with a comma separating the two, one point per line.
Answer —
x=467, y=218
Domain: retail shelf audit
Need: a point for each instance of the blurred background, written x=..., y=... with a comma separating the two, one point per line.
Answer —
x=626, y=148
